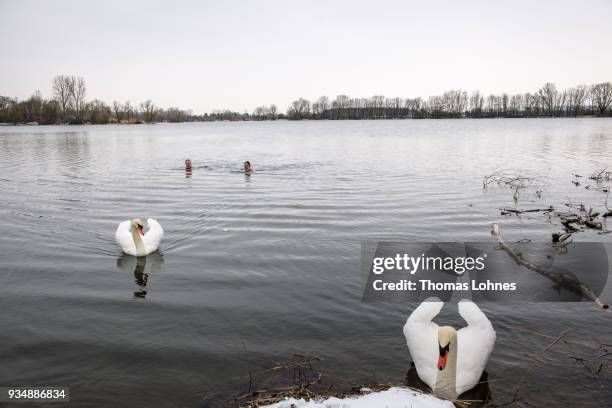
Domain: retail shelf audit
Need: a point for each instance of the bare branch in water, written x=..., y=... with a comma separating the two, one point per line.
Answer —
x=601, y=175
x=514, y=181
x=562, y=279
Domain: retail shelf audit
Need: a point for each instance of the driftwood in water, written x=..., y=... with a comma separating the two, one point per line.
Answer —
x=584, y=217
x=565, y=280
x=506, y=211
x=560, y=238
x=572, y=221
x=601, y=175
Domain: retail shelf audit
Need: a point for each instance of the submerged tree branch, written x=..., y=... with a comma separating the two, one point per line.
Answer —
x=565, y=280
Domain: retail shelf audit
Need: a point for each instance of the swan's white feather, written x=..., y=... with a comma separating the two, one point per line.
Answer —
x=475, y=343
x=123, y=236
x=422, y=339
x=151, y=238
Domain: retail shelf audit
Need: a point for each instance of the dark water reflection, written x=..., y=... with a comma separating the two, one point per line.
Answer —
x=256, y=267
x=141, y=267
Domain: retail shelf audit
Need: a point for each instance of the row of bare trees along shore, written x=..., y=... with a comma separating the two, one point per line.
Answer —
x=69, y=104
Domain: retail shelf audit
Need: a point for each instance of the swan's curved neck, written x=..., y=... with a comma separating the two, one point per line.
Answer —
x=447, y=378
x=137, y=240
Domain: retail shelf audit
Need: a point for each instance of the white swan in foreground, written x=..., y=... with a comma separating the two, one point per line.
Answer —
x=133, y=240
x=449, y=361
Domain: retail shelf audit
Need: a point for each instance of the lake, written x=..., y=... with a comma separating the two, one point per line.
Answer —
x=254, y=269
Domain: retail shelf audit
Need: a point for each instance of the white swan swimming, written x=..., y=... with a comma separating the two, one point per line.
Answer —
x=133, y=240
x=449, y=361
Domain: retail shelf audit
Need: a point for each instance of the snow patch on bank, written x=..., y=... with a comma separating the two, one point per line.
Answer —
x=392, y=398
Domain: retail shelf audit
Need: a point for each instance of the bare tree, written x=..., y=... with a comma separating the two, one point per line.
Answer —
x=273, y=111
x=7, y=108
x=32, y=108
x=118, y=111
x=396, y=104
x=476, y=103
x=98, y=112
x=77, y=96
x=377, y=103
x=548, y=95
x=602, y=96
x=436, y=106
x=560, y=102
x=261, y=113
x=323, y=102
x=516, y=104
x=532, y=104
x=454, y=102
x=320, y=108
x=299, y=109
x=129, y=111
x=149, y=111
x=505, y=99
x=304, y=105
x=61, y=92
x=552, y=100
x=576, y=98
x=341, y=105
x=492, y=105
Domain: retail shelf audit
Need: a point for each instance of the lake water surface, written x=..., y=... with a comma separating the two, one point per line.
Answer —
x=256, y=268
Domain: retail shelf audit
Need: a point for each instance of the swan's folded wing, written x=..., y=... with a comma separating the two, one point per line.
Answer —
x=153, y=236
x=123, y=236
x=475, y=343
x=422, y=339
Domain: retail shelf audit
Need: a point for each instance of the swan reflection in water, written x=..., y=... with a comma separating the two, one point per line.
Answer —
x=479, y=396
x=142, y=267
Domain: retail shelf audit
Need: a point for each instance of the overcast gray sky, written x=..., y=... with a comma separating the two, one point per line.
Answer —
x=208, y=55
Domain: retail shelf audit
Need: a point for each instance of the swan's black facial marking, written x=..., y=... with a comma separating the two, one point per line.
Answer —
x=444, y=350
x=443, y=354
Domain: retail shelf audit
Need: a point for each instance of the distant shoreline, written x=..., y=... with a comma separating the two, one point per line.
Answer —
x=69, y=105
x=304, y=120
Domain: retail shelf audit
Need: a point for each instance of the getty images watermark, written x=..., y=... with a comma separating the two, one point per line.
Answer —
x=409, y=271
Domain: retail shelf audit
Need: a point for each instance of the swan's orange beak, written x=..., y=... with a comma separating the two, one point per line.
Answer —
x=442, y=360
x=141, y=230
